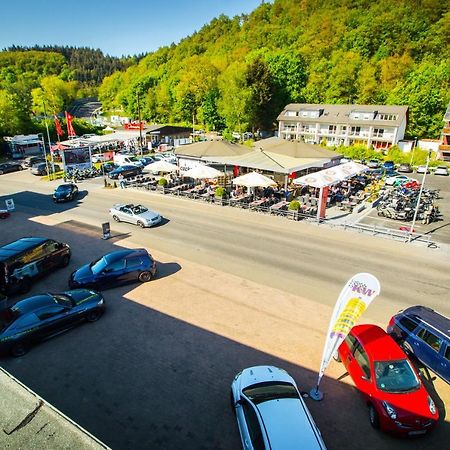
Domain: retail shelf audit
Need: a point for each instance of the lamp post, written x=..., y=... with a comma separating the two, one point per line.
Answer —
x=45, y=154
x=140, y=124
x=418, y=197
x=413, y=150
x=49, y=143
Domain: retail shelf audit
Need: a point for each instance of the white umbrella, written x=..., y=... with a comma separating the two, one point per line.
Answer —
x=202, y=171
x=253, y=179
x=160, y=166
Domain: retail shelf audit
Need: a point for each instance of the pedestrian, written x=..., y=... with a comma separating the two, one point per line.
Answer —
x=121, y=181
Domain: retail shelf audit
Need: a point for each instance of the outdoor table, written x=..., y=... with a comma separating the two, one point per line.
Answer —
x=278, y=206
x=257, y=203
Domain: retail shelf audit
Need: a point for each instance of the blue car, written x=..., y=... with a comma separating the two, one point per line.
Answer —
x=146, y=160
x=114, y=269
x=389, y=166
x=424, y=334
x=42, y=316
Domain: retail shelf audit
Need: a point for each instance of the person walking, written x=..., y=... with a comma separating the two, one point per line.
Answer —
x=121, y=181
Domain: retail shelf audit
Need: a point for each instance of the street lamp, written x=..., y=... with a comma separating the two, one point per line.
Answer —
x=49, y=143
x=413, y=150
x=140, y=124
x=418, y=197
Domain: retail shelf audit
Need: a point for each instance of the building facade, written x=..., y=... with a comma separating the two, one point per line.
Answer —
x=444, y=148
x=380, y=126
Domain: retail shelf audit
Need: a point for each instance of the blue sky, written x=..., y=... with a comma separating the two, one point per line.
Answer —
x=111, y=25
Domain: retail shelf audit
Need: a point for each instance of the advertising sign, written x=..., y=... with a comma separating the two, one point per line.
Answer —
x=106, y=229
x=77, y=158
x=353, y=300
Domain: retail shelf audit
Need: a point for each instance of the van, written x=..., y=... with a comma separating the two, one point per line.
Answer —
x=129, y=160
x=424, y=334
x=27, y=259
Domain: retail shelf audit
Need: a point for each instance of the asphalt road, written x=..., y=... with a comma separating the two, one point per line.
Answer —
x=235, y=288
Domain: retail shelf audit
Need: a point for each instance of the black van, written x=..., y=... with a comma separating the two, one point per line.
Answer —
x=29, y=258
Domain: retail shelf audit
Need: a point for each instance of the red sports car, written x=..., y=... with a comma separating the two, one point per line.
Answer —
x=397, y=400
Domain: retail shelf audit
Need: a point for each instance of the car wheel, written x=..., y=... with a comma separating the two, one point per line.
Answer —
x=19, y=349
x=93, y=315
x=140, y=224
x=407, y=349
x=373, y=417
x=25, y=285
x=1, y=172
x=145, y=276
x=65, y=261
x=116, y=218
x=20, y=168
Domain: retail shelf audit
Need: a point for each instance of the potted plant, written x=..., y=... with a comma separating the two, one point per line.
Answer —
x=294, y=206
x=162, y=183
x=219, y=195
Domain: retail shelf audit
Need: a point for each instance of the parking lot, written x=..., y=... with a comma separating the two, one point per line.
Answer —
x=155, y=371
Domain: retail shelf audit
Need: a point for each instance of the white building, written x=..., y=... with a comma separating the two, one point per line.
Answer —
x=379, y=126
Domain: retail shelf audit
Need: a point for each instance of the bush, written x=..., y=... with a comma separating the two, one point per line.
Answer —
x=162, y=182
x=294, y=205
x=220, y=192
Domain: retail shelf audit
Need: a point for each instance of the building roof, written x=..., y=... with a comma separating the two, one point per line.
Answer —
x=295, y=149
x=340, y=114
x=211, y=148
x=269, y=161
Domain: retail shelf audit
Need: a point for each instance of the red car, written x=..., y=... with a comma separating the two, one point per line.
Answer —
x=4, y=213
x=397, y=400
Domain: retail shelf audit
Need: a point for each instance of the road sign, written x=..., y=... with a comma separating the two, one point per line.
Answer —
x=106, y=230
x=10, y=204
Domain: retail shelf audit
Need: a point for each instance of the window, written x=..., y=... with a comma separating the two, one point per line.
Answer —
x=447, y=353
x=407, y=323
x=432, y=340
x=25, y=321
x=50, y=312
x=134, y=263
x=116, y=265
x=254, y=428
x=331, y=129
x=356, y=130
x=351, y=342
x=378, y=132
x=387, y=117
x=363, y=361
x=291, y=113
x=50, y=247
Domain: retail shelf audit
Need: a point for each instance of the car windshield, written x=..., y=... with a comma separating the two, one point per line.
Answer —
x=139, y=209
x=395, y=376
x=63, y=300
x=63, y=188
x=99, y=266
x=263, y=392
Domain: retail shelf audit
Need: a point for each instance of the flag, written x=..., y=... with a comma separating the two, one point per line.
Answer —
x=70, y=130
x=353, y=300
x=59, y=130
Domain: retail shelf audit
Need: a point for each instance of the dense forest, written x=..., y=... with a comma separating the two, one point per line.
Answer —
x=238, y=73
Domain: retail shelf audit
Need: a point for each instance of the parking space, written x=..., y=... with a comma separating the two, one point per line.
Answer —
x=438, y=231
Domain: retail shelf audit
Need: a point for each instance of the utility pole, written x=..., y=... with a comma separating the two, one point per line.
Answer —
x=49, y=143
x=140, y=124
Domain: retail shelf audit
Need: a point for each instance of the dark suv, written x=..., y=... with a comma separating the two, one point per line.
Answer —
x=425, y=334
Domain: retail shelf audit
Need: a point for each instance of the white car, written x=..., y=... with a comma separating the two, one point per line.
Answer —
x=135, y=214
x=397, y=179
x=441, y=170
x=99, y=158
x=169, y=157
x=270, y=411
x=423, y=169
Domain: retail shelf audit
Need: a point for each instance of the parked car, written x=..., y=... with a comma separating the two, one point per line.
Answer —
x=65, y=192
x=10, y=167
x=114, y=269
x=424, y=334
x=388, y=165
x=270, y=411
x=126, y=171
x=423, y=169
x=397, y=400
x=135, y=214
x=4, y=213
x=41, y=168
x=109, y=166
x=441, y=170
x=45, y=315
x=396, y=180
x=146, y=160
x=29, y=161
x=30, y=258
x=404, y=168
x=100, y=157
x=373, y=164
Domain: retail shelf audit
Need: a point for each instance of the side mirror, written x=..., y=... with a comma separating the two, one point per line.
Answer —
x=363, y=377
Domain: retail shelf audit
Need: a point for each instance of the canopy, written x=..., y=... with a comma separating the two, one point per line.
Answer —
x=332, y=175
x=254, y=179
x=58, y=146
x=202, y=171
x=160, y=166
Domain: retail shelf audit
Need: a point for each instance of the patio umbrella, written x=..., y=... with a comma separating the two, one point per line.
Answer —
x=202, y=171
x=160, y=166
x=254, y=179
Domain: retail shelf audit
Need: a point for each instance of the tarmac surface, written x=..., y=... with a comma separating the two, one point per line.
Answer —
x=234, y=289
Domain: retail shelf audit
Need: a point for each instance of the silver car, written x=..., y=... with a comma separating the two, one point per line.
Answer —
x=270, y=411
x=441, y=170
x=136, y=214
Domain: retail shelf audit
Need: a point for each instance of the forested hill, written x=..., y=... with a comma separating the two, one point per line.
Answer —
x=238, y=73
x=85, y=64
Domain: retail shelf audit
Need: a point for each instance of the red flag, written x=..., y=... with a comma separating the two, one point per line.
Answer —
x=70, y=130
x=59, y=130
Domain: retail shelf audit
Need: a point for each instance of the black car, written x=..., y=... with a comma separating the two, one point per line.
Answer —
x=114, y=269
x=30, y=258
x=10, y=167
x=45, y=315
x=30, y=161
x=41, y=168
x=65, y=192
x=126, y=171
